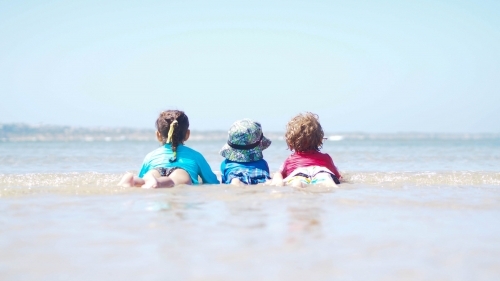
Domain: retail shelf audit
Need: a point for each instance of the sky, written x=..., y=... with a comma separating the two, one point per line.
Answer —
x=362, y=66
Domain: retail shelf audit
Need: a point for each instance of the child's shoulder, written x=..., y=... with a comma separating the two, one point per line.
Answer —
x=227, y=161
x=309, y=154
x=259, y=164
x=156, y=151
x=228, y=165
x=188, y=150
x=185, y=147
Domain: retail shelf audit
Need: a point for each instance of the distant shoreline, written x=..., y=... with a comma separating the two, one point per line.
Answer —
x=38, y=133
x=19, y=132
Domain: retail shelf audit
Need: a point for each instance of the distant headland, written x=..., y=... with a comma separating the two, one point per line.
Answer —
x=18, y=132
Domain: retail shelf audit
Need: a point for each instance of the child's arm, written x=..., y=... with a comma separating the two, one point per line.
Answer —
x=333, y=168
x=144, y=167
x=277, y=179
x=222, y=171
x=206, y=173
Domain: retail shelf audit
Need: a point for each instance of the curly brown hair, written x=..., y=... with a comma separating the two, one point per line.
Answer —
x=180, y=128
x=304, y=133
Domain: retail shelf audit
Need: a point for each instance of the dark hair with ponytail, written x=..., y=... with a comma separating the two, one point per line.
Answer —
x=178, y=122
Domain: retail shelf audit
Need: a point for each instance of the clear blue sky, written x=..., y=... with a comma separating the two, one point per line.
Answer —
x=364, y=66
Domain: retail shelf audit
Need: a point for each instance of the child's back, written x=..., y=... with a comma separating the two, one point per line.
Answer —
x=172, y=163
x=188, y=159
x=306, y=165
x=244, y=163
x=308, y=159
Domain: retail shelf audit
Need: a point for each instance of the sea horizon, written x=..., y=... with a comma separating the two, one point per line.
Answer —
x=19, y=132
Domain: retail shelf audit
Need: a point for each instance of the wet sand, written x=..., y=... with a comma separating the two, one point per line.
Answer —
x=354, y=232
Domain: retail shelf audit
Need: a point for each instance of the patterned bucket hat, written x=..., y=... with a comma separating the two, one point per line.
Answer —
x=245, y=142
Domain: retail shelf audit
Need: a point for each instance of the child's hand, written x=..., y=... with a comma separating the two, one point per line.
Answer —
x=277, y=180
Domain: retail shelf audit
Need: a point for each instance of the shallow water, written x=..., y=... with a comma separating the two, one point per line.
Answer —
x=222, y=233
x=426, y=209
x=384, y=155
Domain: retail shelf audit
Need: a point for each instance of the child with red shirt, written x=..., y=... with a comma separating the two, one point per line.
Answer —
x=306, y=165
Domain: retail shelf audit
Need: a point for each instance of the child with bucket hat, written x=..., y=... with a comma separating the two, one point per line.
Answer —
x=244, y=163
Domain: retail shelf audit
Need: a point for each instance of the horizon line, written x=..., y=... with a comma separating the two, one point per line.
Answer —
x=136, y=129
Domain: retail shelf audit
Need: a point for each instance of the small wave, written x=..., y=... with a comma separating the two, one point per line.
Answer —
x=92, y=182
x=335, y=138
x=413, y=137
x=74, y=183
x=455, y=178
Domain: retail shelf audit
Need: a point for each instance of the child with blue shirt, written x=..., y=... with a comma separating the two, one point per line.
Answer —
x=244, y=163
x=172, y=163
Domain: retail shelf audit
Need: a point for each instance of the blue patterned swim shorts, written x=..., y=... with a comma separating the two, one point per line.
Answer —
x=248, y=176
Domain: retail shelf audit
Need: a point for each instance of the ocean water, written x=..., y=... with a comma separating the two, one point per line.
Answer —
x=411, y=208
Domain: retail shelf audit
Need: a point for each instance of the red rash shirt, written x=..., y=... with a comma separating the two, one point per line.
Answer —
x=306, y=159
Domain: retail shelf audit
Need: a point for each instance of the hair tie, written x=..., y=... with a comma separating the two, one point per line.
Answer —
x=171, y=131
x=173, y=158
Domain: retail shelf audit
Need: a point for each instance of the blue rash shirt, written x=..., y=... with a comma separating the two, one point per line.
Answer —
x=247, y=172
x=187, y=158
